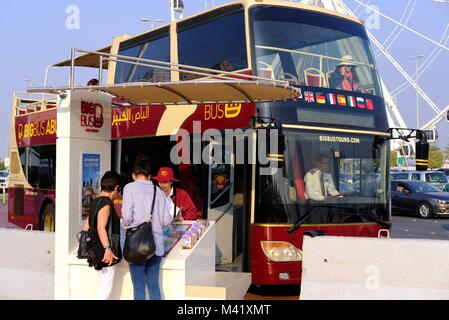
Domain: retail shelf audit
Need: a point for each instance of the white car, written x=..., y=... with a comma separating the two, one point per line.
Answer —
x=435, y=178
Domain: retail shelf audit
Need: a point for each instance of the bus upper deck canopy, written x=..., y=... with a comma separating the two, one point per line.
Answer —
x=190, y=92
x=214, y=86
x=88, y=60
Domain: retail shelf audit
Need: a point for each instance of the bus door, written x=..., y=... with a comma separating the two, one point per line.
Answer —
x=220, y=204
x=30, y=208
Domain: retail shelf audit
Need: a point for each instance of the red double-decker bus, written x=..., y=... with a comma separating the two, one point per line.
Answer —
x=262, y=208
x=33, y=163
x=261, y=218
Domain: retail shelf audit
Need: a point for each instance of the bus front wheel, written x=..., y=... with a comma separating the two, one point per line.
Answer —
x=48, y=219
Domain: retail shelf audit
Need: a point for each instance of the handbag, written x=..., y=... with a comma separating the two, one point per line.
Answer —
x=91, y=248
x=85, y=242
x=139, y=242
x=83, y=238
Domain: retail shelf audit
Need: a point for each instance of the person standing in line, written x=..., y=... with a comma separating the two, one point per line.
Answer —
x=136, y=210
x=101, y=209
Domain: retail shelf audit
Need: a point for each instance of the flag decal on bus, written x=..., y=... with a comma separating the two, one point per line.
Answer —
x=309, y=97
x=320, y=98
x=361, y=103
x=341, y=100
x=351, y=101
x=369, y=104
x=331, y=99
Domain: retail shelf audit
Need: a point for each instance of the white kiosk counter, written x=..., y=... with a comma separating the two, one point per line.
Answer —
x=195, y=269
x=185, y=274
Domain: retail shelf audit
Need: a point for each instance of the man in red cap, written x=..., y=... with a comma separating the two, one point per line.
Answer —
x=185, y=208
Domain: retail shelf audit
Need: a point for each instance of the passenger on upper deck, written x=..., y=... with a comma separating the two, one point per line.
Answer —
x=224, y=65
x=93, y=82
x=344, y=77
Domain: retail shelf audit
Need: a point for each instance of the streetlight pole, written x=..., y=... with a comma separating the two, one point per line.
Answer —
x=213, y=4
x=152, y=21
x=416, y=58
x=31, y=81
x=176, y=6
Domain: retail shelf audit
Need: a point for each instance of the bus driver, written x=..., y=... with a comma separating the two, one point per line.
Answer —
x=319, y=184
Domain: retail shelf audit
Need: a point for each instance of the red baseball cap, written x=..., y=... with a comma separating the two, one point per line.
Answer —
x=165, y=174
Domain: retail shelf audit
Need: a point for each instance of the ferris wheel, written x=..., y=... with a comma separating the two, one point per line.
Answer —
x=361, y=9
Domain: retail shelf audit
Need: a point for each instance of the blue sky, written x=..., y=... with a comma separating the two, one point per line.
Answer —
x=34, y=35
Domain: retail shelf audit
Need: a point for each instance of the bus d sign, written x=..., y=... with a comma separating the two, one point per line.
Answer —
x=91, y=116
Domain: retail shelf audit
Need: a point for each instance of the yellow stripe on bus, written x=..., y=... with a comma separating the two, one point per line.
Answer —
x=275, y=155
x=275, y=159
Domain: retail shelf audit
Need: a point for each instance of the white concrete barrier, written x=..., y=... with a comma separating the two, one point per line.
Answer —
x=370, y=268
x=27, y=271
x=26, y=265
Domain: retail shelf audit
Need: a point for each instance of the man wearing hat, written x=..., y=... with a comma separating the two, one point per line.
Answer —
x=184, y=206
x=344, y=76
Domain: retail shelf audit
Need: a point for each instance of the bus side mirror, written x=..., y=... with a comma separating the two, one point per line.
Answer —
x=422, y=151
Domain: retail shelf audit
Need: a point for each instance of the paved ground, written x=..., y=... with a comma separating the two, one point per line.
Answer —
x=410, y=227
x=403, y=227
x=4, y=216
x=413, y=227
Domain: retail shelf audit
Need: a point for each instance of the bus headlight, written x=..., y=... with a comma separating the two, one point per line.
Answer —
x=281, y=251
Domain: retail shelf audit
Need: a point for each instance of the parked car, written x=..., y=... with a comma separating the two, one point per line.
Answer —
x=3, y=180
x=418, y=197
x=399, y=175
x=445, y=171
x=436, y=178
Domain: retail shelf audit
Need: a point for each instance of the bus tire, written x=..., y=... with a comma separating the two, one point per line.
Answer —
x=47, y=222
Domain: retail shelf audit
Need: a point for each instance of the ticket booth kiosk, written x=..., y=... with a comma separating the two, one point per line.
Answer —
x=84, y=117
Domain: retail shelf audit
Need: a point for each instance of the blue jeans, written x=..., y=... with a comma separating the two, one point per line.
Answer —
x=146, y=273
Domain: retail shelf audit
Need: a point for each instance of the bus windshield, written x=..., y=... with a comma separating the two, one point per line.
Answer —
x=313, y=50
x=354, y=180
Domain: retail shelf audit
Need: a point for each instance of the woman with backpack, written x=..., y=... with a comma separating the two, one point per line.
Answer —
x=104, y=226
x=137, y=206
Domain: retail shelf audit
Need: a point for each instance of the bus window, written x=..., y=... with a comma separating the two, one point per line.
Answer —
x=157, y=48
x=297, y=46
x=217, y=44
x=42, y=167
x=356, y=166
x=23, y=159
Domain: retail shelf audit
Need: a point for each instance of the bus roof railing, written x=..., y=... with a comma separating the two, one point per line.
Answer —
x=212, y=86
x=25, y=102
x=181, y=68
x=88, y=60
